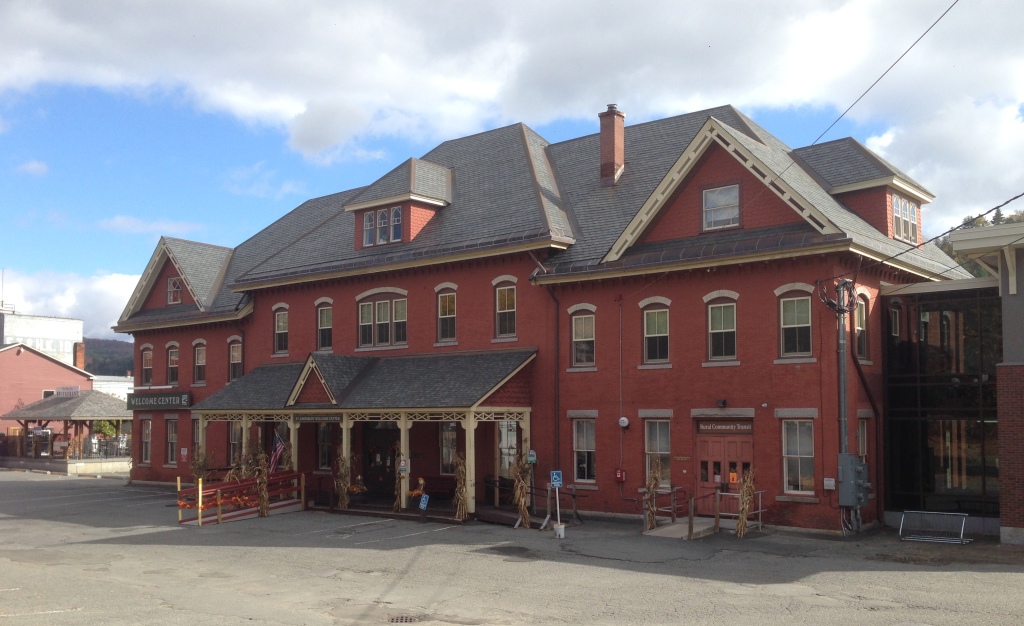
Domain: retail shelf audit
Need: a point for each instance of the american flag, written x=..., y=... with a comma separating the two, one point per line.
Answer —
x=275, y=454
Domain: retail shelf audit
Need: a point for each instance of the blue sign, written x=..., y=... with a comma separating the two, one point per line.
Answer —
x=556, y=478
x=423, y=502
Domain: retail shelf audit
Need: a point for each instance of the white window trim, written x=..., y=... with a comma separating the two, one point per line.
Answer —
x=785, y=456
x=395, y=210
x=704, y=208
x=445, y=340
x=369, y=235
x=782, y=328
x=178, y=289
x=497, y=312
x=593, y=339
x=576, y=448
x=646, y=302
x=441, y=287
x=734, y=330
x=582, y=306
x=646, y=359
x=504, y=278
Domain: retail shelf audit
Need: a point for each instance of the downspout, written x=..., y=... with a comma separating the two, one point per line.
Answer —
x=558, y=414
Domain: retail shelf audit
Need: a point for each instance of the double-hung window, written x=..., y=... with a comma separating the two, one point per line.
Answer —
x=172, y=366
x=396, y=223
x=325, y=448
x=583, y=341
x=584, y=447
x=860, y=329
x=383, y=323
x=798, y=456
x=281, y=331
x=658, y=446
x=449, y=432
x=234, y=360
x=656, y=336
x=862, y=440
x=173, y=291
x=199, y=375
x=147, y=367
x=904, y=219
x=796, y=326
x=722, y=331
x=382, y=226
x=234, y=443
x=506, y=311
x=195, y=436
x=369, y=228
x=324, y=328
x=721, y=207
x=146, y=440
x=446, y=316
x=172, y=441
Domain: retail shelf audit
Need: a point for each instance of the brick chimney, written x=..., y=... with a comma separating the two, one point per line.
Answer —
x=613, y=139
x=79, y=355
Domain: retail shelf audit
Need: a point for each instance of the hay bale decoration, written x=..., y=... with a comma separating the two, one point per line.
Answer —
x=460, y=500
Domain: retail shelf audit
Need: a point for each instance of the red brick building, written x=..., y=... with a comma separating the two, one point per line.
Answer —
x=28, y=375
x=501, y=294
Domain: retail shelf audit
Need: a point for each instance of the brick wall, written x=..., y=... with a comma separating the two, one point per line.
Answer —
x=157, y=298
x=1010, y=399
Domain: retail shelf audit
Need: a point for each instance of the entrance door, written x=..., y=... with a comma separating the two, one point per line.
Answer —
x=721, y=462
x=380, y=451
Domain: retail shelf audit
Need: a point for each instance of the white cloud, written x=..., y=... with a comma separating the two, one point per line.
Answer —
x=338, y=76
x=97, y=300
x=256, y=180
x=35, y=168
x=133, y=225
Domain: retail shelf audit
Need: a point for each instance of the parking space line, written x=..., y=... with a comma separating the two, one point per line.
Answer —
x=436, y=530
x=84, y=494
x=39, y=613
x=324, y=530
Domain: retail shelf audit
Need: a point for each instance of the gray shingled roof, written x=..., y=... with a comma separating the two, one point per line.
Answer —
x=87, y=405
x=265, y=388
x=456, y=380
x=200, y=264
x=846, y=161
x=415, y=176
x=495, y=202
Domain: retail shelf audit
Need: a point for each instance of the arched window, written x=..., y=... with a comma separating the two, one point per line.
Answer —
x=281, y=328
x=860, y=328
x=396, y=223
x=234, y=357
x=655, y=312
x=368, y=228
x=582, y=319
x=199, y=363
x=382, y=317
x=324, y=327
x=505, y=311
x=446, y=316
x=721, y=324
x=172, y=363
x=147, y=365
x=174, y=290
x=382, y=226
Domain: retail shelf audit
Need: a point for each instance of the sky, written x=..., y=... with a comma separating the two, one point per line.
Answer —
x=121, y=121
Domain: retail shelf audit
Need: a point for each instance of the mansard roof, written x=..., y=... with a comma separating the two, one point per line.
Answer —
x=416, y=179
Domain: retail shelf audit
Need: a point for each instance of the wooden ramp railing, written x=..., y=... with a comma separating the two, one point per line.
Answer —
x=239, y=499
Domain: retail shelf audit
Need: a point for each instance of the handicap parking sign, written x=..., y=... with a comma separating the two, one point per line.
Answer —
x=556, y=478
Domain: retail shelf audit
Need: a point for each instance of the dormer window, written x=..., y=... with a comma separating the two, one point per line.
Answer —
x=904, y=219
x=721, y=207
x=173, y=291
x=382, y=226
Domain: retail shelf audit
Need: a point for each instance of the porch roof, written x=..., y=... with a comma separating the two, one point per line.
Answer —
x=87, y=405
x=457, y=380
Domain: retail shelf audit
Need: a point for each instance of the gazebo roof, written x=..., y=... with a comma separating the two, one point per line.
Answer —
x=87, y=405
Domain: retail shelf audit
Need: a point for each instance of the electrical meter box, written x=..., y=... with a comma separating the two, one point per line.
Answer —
x=853, y=481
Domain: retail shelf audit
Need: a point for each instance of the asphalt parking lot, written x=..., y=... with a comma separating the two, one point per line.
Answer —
x=97, y=551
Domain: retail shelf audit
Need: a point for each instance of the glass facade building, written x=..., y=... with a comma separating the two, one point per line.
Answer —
x=941, y=422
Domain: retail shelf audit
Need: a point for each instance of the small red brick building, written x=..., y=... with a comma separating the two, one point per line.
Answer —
x=503, y=294
x=28, y=375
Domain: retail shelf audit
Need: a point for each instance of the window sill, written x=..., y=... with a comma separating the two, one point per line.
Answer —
x=586, y=368
x=444, y=344
x=279, y=355
x=144, y=465
x=865, y=362
x=654, y=366
x=798, y=499
x=795, y=360
x=322, y=472
x=170, y=466
x=327, y=350
x=720, y=364
x=198, y=384
x=504, y=339
x=381, y=348
x=584, y=486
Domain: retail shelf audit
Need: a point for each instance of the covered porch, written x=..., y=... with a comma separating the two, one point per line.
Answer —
x=352, y=407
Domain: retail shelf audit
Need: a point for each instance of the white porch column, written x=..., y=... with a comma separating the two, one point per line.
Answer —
x=346, y=437
x=293, y=436
x=469, y=423
x=404, y=425
x=525, y=426
x=202, y=433
x=245, y=436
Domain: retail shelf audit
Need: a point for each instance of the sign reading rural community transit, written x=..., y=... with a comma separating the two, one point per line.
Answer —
x=143, y=401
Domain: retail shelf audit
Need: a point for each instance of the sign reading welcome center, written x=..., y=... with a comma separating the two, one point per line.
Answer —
x=143, y=401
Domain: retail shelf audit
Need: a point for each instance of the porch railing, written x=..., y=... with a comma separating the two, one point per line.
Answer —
x=236, y=495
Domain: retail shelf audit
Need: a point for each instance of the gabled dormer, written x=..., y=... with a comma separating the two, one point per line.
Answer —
x=180, y=275
x=868, y=185
x=399, y=204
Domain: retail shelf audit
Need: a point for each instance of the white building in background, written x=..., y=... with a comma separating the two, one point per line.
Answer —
x=59, y=337
x=119, y=386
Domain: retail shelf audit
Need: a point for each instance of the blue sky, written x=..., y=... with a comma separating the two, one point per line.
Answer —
x=124, y=121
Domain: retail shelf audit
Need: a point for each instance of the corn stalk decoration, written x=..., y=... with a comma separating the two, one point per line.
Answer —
x=653, y=482
x=398, y=484
x=262, y=473
x=521, y=488
x=342, y=477
x=460, y=500
x=199, y=465
x=746, y=501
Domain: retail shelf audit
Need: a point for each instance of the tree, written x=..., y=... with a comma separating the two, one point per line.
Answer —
x=997, y=217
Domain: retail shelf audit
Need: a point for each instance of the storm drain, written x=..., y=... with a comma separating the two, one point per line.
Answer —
x=403, y=619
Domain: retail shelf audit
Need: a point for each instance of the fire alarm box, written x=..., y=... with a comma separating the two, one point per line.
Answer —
x=620, y=475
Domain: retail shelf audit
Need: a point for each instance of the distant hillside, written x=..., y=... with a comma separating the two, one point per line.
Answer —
x=108, y=357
